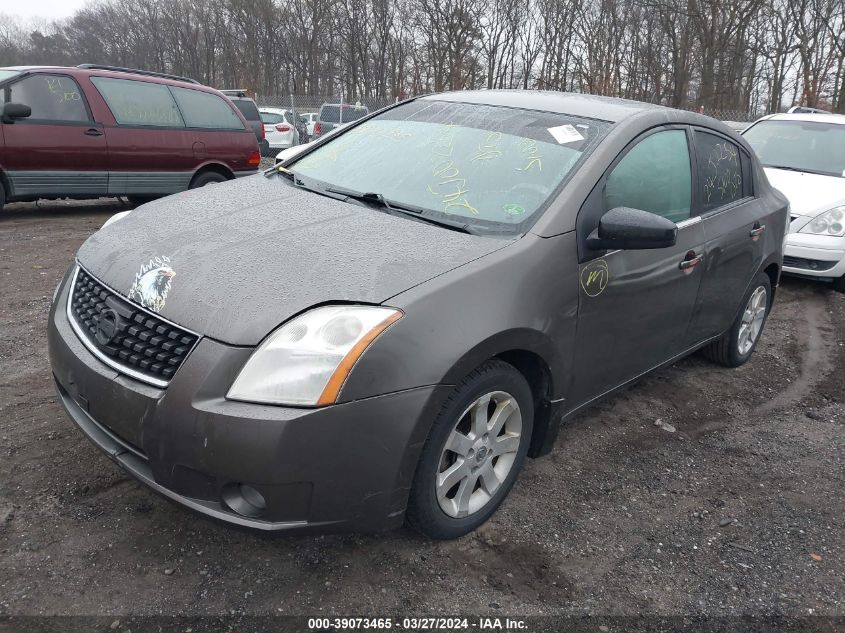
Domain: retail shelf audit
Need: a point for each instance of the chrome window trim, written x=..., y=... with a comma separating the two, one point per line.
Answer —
x=123, y=369
x=688, y=222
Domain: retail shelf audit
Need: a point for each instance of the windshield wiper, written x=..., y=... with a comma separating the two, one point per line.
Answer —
x=400, y=207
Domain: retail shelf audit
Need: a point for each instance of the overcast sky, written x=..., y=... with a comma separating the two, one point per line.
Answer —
x=50, y=9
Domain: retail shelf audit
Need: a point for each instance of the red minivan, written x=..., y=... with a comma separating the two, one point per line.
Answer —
x=95, y=131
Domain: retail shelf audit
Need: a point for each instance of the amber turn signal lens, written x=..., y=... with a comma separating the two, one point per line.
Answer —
x=332, y=390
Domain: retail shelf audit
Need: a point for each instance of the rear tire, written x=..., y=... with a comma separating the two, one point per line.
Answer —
x=474, y=452
x=207, y=178
x=738, y=344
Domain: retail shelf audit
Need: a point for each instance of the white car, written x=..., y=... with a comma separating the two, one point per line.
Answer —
x=310, y=120
x=804, y=156
x=279, y=128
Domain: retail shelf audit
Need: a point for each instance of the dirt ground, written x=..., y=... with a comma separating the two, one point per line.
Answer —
x=740, y=510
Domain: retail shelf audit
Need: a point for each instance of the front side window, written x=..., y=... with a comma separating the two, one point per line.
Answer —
x=654, y=176
x=51, y=97
x=720, y=171
x=139, y=102
x=205, y=110
x=479, y=163
x=813, y=146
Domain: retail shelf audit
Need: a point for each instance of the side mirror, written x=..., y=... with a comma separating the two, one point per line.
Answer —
x=12, y=111
x=624, y=228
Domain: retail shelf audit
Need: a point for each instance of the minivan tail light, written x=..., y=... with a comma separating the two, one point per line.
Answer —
x=281, y=127
x=317, y=129
x=254, y=158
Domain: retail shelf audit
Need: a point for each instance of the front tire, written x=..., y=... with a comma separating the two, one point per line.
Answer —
x=474, y=452
x=738, y=343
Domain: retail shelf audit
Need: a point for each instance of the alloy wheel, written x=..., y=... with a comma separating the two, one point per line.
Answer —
x=479, y=454
x=752, y=320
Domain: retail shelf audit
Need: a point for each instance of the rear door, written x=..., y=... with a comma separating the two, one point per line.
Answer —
x=59, y=150
x=635, y=305
x=151, y=150
x=734, y=221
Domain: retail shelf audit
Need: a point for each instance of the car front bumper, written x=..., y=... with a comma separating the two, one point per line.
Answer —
x=343, y=467
x=811, y=255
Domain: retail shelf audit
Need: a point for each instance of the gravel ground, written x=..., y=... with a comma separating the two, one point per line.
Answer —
x=732, y=504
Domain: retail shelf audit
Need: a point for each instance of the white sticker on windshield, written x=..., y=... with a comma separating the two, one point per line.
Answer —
x=565, y=134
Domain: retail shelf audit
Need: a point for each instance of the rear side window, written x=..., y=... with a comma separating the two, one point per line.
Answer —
x=206, y=110
x=720, y=171
x=248, y=109
x=654, y=176
x=51, y=97
x=139, y=102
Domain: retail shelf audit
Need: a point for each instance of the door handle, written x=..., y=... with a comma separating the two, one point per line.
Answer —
x=93, y=132
x=757, y=231
x=690, y=261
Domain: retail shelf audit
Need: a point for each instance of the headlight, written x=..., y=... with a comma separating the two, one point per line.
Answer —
x=307, y=360
x=828, y=223
x=115, y=218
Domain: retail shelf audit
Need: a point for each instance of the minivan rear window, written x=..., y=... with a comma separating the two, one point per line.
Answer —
x=206, y=110
x=248, y=109
x=139, y=102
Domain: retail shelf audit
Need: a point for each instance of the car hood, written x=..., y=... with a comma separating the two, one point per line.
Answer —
x=808, y=194
x=234, y=260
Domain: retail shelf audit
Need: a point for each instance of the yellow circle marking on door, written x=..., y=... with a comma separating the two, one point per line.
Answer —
x=594, y=277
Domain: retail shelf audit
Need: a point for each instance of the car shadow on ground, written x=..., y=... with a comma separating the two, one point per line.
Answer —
x=50, y=209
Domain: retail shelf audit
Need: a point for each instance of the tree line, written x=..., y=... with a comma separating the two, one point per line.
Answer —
x=720, y=55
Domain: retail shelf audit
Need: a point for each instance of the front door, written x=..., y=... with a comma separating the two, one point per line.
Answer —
x=59, y=150
x=635, y=305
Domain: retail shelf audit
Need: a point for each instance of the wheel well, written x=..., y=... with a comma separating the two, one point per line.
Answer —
x=773, y=271
x=539, y=378
x=214, y=167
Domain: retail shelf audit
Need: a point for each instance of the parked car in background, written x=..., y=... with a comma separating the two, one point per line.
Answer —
x=279, y=129
x=803, y=154
x=95, y=131
x=287, y=154
x=736, y=126
x=302, y=128
x=388, y=325
x=310, y=121
x=249, y=109
x=334, y=115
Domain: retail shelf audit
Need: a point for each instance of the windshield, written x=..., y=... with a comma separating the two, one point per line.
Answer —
x=8, y=74
x=476, y=163
x=812, y=146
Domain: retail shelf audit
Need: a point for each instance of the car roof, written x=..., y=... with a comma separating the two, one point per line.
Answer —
x=824, y=117
x=114, y=72
x=609, y=109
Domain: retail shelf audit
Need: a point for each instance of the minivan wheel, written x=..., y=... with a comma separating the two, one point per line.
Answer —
x=738, y=343
x=207, y=178
x=474, y=452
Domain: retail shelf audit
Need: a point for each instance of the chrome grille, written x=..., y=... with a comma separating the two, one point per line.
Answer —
x=140, y=344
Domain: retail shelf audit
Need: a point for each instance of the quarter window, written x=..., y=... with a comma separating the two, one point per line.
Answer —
x=139, y=102
x=51, y=97
x=654, y=176
x=202, y=109
x=720, y=171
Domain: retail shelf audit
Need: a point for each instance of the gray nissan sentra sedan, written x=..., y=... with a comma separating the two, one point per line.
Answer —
x=383, y=328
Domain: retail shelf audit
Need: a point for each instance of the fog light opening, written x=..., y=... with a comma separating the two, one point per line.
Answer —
x=243, y=499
